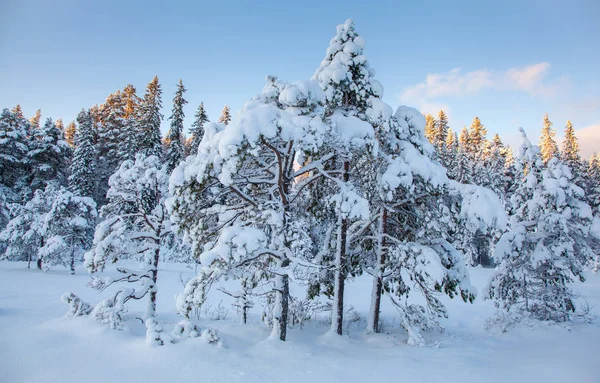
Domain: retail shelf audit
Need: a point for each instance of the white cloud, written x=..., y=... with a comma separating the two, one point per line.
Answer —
x=589, y=140
x=530, y=79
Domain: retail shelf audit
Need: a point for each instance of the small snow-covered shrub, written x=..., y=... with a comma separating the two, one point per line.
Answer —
x=77, y=307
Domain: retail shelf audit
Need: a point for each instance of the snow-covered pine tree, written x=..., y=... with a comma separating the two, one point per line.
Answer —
x=197, y=131
x=349, y=84
x=135, y=224
x=548, y=146
x=82, y=178
x=410, y=230
x=48, y=157
x=25, y=234
x=175, y=151
x=149, y=140
x=225, y=117
x=237, y=199
x=546, y=248
x=69, y=229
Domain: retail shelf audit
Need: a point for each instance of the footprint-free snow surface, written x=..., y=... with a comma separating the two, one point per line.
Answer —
x=39, y=344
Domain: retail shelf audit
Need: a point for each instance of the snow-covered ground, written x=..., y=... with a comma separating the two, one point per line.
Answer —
x=39, y=344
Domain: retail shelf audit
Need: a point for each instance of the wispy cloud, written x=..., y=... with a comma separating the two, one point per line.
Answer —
x=532, y=79
x=589, y=140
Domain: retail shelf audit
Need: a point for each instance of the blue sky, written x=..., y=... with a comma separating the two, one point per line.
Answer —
x=508, y=62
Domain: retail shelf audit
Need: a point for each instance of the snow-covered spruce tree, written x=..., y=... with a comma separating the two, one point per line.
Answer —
x=110, y=125
x=149, y=140
x=594, y=184
x=175, y=151
x=26, y=234
x=48, y=157
x=135, y=224
x=82, y=178
x=546, y=248
x=13, y=154
x=411, y=253
x=548, y=147
x=225, y=117
x=237, y=199
x=69, y=229
x=197, y=131
x=570, y=156
x=127, y=136
x=348, y=83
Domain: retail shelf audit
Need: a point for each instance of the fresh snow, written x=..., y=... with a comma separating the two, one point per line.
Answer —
x=39, y=343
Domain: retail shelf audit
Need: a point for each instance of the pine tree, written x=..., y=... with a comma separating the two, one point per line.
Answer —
x=36, y=120
x=149, y=141
x=430, y=130
x=570, y=156
x=175, y=151
x=350, y=89
x=225, y=115
x=197, y=131
x=441, y=131
x=477, y=138
x=18, y=111
x=135, y=221
x=70, y=134
x=546, y=250
x=128, y=135
x=69, y=229
x=48, y=157
x=60, y=126
x=82, y=180
x=548, y=146
x=26, y=233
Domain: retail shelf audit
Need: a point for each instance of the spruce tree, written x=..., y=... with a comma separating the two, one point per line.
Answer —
x=547, y=248
x=82, y=180
x=149, y=140
x=197, y=131
x=225, y=115
x=48, y=157
x=175, y=151
x=13, y=152
x=548, y=146
x=593, y=189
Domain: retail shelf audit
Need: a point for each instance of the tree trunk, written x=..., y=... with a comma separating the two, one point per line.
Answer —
x=72, y=261
x=373, y=319
x=337, y=315
x=280, y=311
x=151, y=310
